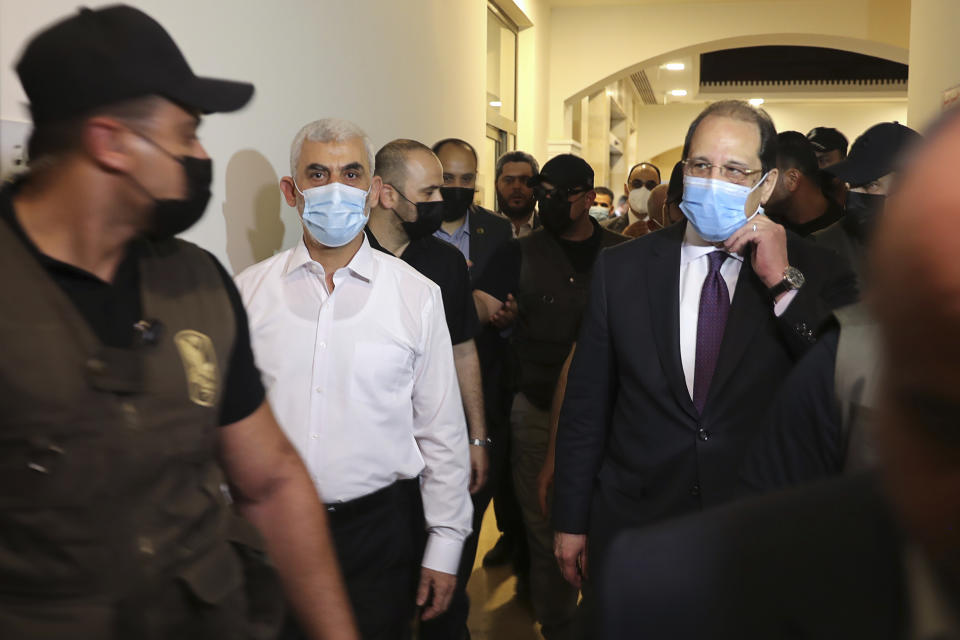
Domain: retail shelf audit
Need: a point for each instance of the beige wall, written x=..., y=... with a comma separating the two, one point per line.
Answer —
x=399, y=69
x=934, y=51
x=533, y=79
x=650, y=31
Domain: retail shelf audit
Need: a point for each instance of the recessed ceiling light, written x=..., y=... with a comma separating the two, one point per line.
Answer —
x=755, y=101
x=495, y=103
x=674, y=66
x=679, y=93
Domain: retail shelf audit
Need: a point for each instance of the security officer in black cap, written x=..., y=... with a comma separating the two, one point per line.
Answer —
x=129, y=399
x=868, y=173
x=548, y=272
x=830, y=145
x=822, y=420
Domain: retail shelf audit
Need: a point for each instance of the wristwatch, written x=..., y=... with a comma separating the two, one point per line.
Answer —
x=792, y=280
x=477, y=442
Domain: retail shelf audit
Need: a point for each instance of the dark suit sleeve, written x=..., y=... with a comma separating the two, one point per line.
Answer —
x=502, y=274
x=830, y=284
x=587, y=407
x=802, y=437
x=458, y=303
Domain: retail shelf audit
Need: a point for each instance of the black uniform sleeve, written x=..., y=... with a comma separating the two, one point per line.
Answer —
x=244, y=391
x=802, y=438
x=458, y=304
x=502, y=274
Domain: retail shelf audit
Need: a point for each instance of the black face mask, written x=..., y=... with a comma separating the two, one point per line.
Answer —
x=862, y=212
x=173, y=216
x=458, y=200
x=429, y=218
x=555, y=214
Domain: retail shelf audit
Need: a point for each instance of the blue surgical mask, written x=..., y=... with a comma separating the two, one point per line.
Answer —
x=715, y=208
x=334, y=213
x=599, y=213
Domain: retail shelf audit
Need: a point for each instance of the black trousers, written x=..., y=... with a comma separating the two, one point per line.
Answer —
x=379, y=540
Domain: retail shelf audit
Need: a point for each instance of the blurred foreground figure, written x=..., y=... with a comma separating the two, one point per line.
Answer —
x=867, y=557
x=128, y=392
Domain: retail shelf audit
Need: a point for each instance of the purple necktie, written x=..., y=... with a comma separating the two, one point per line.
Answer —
x=714, y=307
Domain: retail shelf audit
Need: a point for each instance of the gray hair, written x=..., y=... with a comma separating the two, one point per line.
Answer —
x=516, y=156
x=328, y=130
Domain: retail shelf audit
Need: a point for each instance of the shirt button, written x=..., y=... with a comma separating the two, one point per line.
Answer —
x=130, y=414
x=695, y=490
x=315, y=436
x=703, y=434
x=319, y=390
x=323, y=345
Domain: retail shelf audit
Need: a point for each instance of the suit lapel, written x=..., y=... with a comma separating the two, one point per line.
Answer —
x=663, y=280
x=478, y=238
x=748, y=311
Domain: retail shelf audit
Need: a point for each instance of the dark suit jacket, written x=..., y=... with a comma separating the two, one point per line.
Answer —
x=631, y=445
x=487, y=232
x=820, y=563
x=617, y=224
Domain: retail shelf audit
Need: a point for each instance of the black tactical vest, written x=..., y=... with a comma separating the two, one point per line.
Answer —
x=113, y=520
x=551, y=300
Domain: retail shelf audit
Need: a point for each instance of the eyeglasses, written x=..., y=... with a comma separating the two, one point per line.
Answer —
x=561, y=193
x=701, y=169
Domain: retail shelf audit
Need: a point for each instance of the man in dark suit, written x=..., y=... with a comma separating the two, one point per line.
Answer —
x=474, y=230
x=850, y=558
x=477, y=233
x=654, y=423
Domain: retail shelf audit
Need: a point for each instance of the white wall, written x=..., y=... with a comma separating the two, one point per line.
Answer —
x=646, y=31
x=934, y=50
x=411, y=69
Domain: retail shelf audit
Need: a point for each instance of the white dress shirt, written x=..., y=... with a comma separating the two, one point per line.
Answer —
x=694, y=267
x=363, y=383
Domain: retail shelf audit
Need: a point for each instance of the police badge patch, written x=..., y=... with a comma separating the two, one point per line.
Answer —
x=200, y=365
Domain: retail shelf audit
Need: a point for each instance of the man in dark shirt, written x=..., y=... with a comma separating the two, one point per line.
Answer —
x=477, y=234
x=548, y=272
x=799, y=201
x=127, y=384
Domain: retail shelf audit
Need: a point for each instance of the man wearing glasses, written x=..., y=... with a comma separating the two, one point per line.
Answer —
x=547, y=271
x=654, y=423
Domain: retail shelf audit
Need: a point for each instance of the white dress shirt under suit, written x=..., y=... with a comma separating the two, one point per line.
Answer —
x=694, y=267
x=362, y=381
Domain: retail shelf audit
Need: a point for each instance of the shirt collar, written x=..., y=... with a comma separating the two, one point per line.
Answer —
x=360, y=265
x=695, y=247
x=462, y=230
x=931, y=617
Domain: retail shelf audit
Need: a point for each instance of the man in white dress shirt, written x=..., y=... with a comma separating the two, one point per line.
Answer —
x=357, y=362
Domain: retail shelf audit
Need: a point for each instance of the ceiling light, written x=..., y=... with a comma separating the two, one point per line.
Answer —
x=679, y=93
x=495, y=103
x=674, y=66
x=755, y=101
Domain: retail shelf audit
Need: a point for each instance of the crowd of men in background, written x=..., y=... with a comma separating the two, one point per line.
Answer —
x=601, y=369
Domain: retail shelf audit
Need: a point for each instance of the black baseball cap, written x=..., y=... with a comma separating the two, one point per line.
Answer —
x=98, y=57
x=827, y=139
x=565, y=171
x=874, y=154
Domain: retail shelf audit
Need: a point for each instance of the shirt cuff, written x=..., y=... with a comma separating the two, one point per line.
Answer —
x=442, y=554
x=784, y=302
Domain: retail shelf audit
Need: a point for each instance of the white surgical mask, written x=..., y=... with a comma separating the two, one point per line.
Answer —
x=638, y=199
